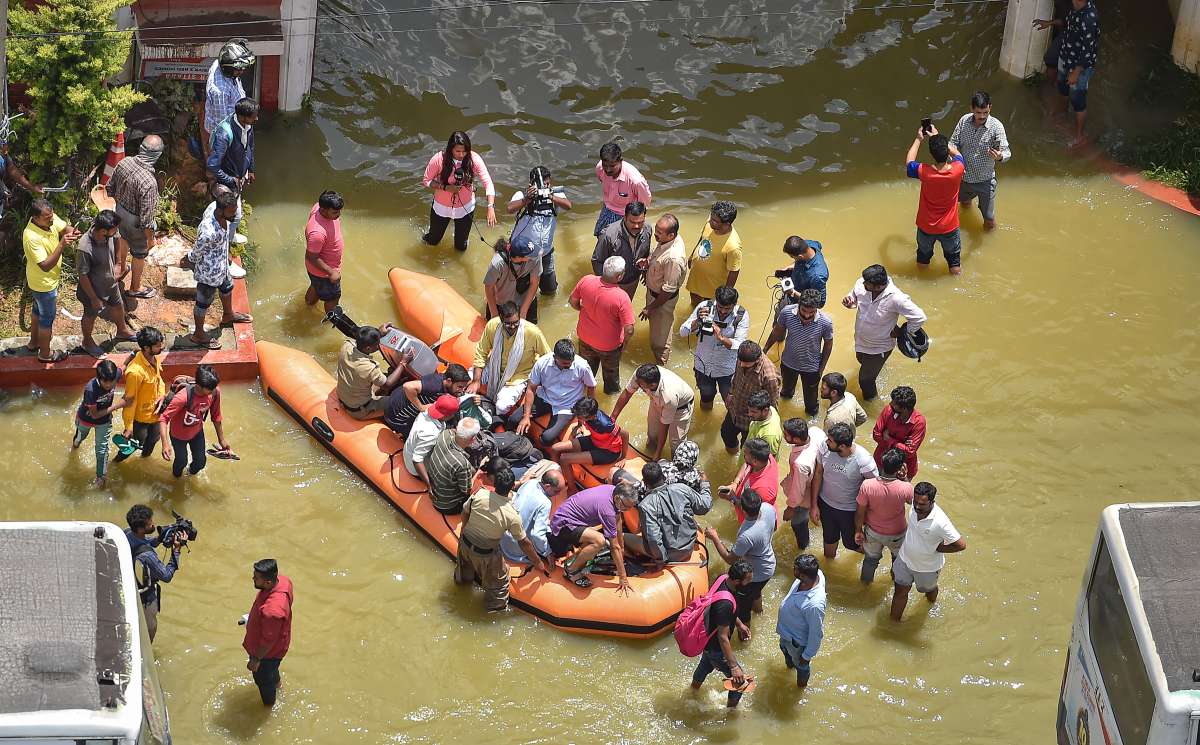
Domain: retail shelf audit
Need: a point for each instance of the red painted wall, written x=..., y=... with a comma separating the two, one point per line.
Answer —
x=269, y=98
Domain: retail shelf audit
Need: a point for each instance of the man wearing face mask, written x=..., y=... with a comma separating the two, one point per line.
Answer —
x=134, y=188
x=664, y=272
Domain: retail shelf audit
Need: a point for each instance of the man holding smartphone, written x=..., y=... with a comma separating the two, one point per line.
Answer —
x=981, y=140
x=937, y=213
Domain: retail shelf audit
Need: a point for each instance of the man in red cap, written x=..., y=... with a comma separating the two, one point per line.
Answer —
x=425, y=430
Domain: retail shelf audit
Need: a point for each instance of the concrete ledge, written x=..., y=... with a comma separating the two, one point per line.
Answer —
x=236, y=364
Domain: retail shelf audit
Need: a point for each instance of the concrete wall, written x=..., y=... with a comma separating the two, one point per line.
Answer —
x=1023, y=46
x=299, y=46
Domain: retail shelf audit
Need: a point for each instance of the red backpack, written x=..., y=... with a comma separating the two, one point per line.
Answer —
x=690, y=633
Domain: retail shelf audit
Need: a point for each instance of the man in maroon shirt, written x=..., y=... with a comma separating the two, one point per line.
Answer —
x=900, y=426
x=268, y=628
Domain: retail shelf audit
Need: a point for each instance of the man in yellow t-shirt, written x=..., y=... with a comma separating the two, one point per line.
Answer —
x=144, y=391
x=44, y=239
x=716, y=259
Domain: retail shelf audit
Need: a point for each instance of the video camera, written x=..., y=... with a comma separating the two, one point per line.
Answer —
x=539, y=184
x=181, y=527
x=460, y=175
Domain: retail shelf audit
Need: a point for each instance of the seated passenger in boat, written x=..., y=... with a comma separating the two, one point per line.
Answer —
x=668, y=518
x=450, y=469
x=596, y=440
x=425, y=431
x=415, y=396
x=533, y=502
x=504, y=358
x=572, y=527
x=558, y=381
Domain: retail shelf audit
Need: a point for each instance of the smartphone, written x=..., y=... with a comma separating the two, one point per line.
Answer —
x=927, y=125
x=724, y=491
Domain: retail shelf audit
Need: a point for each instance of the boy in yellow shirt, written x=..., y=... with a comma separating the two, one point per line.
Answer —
x=144, y=392
x=716, y=259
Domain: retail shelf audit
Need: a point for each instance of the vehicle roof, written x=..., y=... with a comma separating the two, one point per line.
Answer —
x=69, y=630
x=1159, y=539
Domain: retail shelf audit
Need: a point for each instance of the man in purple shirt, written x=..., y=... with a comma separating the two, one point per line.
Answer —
x=622, y=184
x=571, y=528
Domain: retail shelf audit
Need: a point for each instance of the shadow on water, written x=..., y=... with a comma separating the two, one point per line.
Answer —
x=238, y=712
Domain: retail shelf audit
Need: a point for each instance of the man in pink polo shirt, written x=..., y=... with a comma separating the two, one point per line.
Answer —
x=622, y=184
x=323, y=251
x=605, y=320
x=879, y=520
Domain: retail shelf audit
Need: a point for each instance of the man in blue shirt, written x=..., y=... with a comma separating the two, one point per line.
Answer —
x=149, y=569
x=810, y=272
x=533, y=502
x=801, y=623
x=231, y=160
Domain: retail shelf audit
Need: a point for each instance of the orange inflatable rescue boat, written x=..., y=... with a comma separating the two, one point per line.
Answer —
x=307, y=392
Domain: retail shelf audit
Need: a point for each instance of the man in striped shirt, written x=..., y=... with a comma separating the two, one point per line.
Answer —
x=807, y=336
x=450, y=469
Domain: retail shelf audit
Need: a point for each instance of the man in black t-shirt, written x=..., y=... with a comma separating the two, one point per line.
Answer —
x=410, y=399
x=719, y=622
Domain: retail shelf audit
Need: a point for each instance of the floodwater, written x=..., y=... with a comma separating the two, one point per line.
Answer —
x=1062, y=378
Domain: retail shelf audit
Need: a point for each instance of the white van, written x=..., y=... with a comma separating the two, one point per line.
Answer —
x=75, y=659
x=1132, y=675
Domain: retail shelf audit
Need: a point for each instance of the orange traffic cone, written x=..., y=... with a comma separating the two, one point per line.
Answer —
x=116, y=154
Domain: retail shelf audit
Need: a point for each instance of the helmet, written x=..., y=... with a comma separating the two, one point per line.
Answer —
x=912, y=344
x=236, y=54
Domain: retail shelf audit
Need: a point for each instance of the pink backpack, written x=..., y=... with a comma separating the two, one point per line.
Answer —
x=690, y=633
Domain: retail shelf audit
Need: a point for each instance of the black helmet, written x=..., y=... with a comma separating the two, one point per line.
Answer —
x=912, y=344
x=235, y=54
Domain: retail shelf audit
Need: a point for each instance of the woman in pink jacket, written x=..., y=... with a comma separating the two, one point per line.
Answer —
x=451, y=175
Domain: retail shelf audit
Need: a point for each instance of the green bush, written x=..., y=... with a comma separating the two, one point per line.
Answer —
x=1170, y=155
x=76, y=114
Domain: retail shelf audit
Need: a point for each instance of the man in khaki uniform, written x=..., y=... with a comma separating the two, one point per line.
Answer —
x=487, y=516
x=665, y=269
x=669, y=415
x=362, y=388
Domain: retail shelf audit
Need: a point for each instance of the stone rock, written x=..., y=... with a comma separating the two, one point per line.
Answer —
x=181, y=283
x=168, y=251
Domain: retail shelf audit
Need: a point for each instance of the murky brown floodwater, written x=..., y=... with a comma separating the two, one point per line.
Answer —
x=1062, y=379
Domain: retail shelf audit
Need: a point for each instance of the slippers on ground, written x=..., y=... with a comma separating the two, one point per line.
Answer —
x=143, y=294
x=208, y=343
x=746, y=687
x=58, y=356
x=119, y=339
x=93, y=349
x=227, y=454
x=239, y=318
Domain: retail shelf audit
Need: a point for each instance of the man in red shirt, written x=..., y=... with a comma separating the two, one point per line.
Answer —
x=181, y=425
x=759, y=472
x=902, y=427
x=605, y=320
x=937, y=211
x=268, y=627
x=323, y=251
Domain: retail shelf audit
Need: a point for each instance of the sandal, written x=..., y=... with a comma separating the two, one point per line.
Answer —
x=119, y=339
x=58, y=356
x=239, y=318
x=143, y=294
x=94, y=349
x=208, y=343
x=579, y=580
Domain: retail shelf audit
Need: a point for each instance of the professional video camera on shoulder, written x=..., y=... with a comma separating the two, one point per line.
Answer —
x=182, y=530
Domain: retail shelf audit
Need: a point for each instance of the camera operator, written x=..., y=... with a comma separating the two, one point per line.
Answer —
x=809, y=270
x=149, y=570
x=721, y=325
x=537, y=217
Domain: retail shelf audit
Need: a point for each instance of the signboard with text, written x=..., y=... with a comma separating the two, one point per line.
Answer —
x=195, y=70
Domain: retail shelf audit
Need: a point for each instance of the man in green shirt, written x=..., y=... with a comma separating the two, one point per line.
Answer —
x=44, y=239
x=764, y=421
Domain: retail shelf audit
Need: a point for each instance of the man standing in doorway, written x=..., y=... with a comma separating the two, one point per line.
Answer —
x=1077, y=57
x=929, y=537
x=323, y=251
x=937, y=211
x=622, y=183
x=268, y=628
x=134, y=188
x=807, y=336
x=628, y=238
x=880, y=304
x=982, y=142
x=665, y=271
x=716, y=259
x=605, y=320
x=224, y=89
